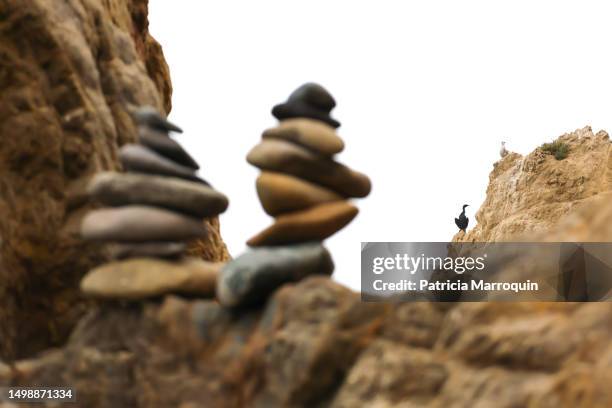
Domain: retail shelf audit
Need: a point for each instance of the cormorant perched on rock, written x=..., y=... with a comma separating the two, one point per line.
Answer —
x=463, y=221
x=503, y=152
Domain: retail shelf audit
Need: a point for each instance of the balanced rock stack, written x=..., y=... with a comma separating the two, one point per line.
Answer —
x=305, y=189
x=152, y=212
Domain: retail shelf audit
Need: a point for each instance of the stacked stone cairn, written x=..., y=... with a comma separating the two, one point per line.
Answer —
x=152, y=211
x=304, y=189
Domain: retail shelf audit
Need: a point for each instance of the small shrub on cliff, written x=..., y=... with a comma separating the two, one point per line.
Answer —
x=557, y=149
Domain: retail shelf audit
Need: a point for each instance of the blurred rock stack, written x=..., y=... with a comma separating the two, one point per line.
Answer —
x=153, y=211
x=304, y=189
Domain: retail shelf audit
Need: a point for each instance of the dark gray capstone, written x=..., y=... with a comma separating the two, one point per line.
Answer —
x=140, y=159
x=308, y=101
x=116, y=189
x=149, y=116
x=166, y=146
x=254, y=275
x=137, y=223
x=164, y=250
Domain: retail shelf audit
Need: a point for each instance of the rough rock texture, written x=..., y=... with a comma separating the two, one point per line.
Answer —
x=212, y=248
x=532, y=194
x=71, y=71
x=315, y=344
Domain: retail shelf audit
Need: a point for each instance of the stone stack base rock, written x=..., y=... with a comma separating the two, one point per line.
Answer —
x=304, y=189
x=150, y=214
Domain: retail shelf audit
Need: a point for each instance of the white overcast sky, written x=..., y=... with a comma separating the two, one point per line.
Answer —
x=426, y=90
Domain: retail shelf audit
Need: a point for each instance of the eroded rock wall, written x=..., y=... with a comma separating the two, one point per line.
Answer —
x=70, y=74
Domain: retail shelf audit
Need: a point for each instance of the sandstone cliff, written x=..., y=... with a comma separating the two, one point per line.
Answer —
x=316, y=344
x=70, y=74
x=533, y=195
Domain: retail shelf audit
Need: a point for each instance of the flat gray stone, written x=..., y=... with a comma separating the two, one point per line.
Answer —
x=254, y=275
x=115, y=189
x=286, y=157
x=140, y=224
x=141, y=159
x=164, y=250
x=149, y=116
x=166, y=146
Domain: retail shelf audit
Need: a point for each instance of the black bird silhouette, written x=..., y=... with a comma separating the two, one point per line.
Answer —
x=463, y=221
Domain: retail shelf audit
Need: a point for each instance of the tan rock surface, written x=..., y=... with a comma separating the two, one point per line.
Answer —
x=141, y=278
x=316, y=344
x=72, y=73
x=280, y=193
x=212, y=248
x=310, y=133
x=313, y=224
x=532, y=194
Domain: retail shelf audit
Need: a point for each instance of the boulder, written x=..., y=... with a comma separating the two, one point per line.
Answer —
x=253, y=276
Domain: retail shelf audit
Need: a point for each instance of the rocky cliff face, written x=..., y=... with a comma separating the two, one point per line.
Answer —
x=316, y=344
x=537, y=193
x=70, y=74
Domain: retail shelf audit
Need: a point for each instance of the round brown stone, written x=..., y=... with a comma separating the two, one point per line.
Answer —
x=141, y=278
x=280, y=193
x=313, y=224
x=286, y=157
x=309, y=133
